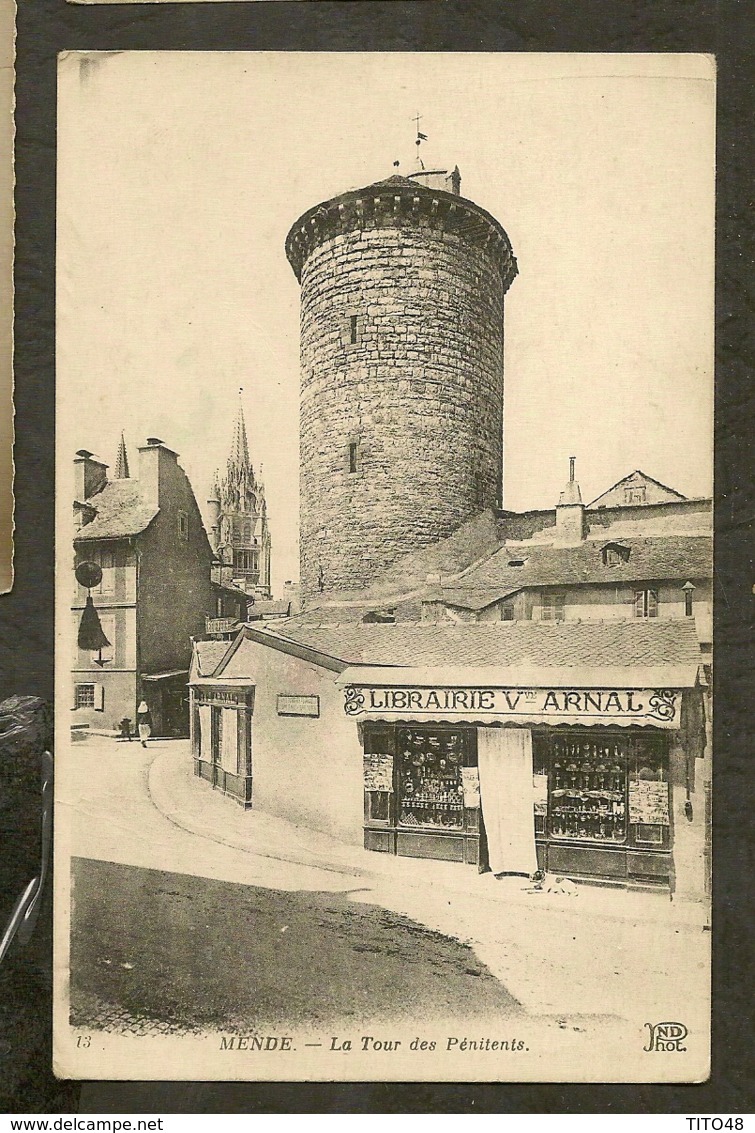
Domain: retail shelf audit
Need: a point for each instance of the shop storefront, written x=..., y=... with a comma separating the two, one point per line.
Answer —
x=575, y=781
x=221, y=737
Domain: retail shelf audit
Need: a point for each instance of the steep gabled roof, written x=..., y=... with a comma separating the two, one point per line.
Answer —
x=643, y=478
x=121, y=511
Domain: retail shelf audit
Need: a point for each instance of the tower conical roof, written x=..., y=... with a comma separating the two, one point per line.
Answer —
x=121, y=462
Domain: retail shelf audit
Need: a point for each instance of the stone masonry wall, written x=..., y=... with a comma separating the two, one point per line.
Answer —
x=420, y=393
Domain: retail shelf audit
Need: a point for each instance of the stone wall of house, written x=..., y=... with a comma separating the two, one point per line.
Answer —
x=401, y=390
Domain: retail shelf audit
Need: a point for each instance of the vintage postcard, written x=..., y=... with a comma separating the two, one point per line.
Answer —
x=384, y=566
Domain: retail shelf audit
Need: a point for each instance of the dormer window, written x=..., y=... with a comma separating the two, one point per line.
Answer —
x=379, y=617
x=517, y=562
x=615, y=553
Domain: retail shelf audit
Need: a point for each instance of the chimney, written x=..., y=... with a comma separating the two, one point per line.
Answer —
x=90, y=475
x=213, y=516
x=571, y=528
x=155, y=463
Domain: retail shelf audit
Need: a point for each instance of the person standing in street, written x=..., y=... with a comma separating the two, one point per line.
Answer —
x=144, y=722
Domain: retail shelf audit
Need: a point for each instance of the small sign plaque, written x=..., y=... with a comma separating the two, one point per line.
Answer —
x=299, y=706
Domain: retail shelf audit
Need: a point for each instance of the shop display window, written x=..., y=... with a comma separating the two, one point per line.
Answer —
x=607, y=789
x=431, y=788
x=649, y=792
x=588, y=789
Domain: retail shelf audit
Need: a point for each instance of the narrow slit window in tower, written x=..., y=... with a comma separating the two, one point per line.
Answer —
x=354, y=328
x=353, y=456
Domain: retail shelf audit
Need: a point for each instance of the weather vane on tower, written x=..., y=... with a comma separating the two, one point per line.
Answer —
x=420, y=137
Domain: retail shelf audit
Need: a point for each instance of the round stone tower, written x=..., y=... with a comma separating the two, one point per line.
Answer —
x=402, y=292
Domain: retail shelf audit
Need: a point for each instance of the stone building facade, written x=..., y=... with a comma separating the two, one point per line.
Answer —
x=145, y=533
x=402, y=303
x=238, y=523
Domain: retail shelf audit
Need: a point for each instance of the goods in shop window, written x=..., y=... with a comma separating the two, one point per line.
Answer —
x=470, y=778
x=648, y=802
x=540, y=793
x=378, y=772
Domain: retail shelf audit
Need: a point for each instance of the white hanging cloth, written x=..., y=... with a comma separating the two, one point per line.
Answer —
x=505, y=762
x=230, y=752
x=205, y=732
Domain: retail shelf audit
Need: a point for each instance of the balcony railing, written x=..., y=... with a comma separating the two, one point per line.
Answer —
x=220, y=625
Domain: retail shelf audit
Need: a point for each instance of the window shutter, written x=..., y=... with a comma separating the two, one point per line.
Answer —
x=652, y=608
x=99, y=698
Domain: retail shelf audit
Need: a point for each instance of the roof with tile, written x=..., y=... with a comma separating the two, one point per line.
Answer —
x=208, y=655
x=269, y=607
x=121, y=511
x=647, y=642
x=670, y=557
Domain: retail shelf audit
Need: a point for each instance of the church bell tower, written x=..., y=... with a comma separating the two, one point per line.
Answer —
x=238, y=523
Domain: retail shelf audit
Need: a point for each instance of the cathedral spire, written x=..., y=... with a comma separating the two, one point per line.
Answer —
x=121, y=461
x=239, y=446
x=238, y=518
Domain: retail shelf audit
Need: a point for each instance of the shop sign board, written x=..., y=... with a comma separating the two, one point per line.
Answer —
x=660, y=707
x=223, y=697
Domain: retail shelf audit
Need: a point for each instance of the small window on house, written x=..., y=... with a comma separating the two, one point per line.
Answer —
x=635, y=495
x=89, y=696
x=84, y=696
x=507, y=612
x=517, y=562
x=107, y=562
x=646, y=603
x=183, y=525
x=552, y=607
x=353, y=456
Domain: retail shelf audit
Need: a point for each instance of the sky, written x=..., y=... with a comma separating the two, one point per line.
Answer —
x=180, y=174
